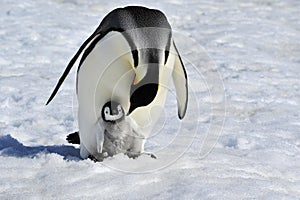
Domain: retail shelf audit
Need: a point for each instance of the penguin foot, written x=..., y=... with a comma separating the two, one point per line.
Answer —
x=152, y=155
x=73, y=138
x=134, y=155
x=99, y=158
x=94, y=159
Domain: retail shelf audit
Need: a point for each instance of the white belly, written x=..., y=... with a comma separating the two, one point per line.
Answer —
x=146, y=117
x=105, y=75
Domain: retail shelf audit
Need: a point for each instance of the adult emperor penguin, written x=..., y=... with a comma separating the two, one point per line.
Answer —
x=129, y=59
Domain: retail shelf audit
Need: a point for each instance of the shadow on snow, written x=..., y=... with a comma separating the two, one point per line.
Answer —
x=10, y=146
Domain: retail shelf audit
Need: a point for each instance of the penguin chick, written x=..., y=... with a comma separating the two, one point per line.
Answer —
x=119, y=134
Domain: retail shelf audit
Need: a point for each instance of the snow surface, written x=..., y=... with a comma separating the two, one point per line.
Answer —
x=242, y=59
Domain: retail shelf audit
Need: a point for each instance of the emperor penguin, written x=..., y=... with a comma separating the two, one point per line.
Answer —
x=122, y=81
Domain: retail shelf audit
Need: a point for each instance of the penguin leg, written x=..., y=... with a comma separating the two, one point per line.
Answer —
x=137, y=149
x=84, y=154
x=74, y=138
x=100, y=141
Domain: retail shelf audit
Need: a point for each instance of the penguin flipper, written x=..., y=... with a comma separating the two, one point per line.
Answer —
x=69, y=67
x=181, y=84
x=73, y=138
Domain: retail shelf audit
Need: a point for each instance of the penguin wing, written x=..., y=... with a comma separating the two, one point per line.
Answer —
x=181, y=84
x=70, y=65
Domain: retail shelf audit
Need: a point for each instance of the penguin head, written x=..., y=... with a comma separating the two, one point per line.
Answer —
x=112, y=112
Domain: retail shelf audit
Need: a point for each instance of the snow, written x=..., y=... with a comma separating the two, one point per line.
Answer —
x=239, y=140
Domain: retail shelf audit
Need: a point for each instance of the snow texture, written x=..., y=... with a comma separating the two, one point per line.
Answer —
x=243, y=63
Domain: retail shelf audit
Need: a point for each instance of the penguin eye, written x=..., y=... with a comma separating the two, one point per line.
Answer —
x=106, y=110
